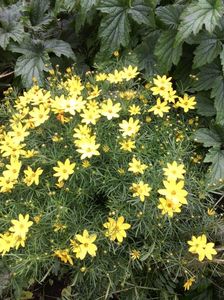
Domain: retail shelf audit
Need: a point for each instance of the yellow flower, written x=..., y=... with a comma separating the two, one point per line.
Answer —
x=211, y=212
x=86, y=164
x=39, y=115
x=162, y=86
x=134, y=110
x=188, y=283
x=135, y=254
x=130, y=127
x=81, y=131
x=21, y=227
x=95, y=93
x=127, y=145
x=88, y=147
x=136, y=166
x=19, y=132
x=6, y=242
x=64, y=169
x=32, y=176
x=116, y=53
x=169, y=207
x=101, y=77
x=129, y=73
x=115, y=77
x=110, y=110
x=160, y=108
x=30, y=153
x=106, y=148
x=174, y=171
x=116, y=229
x=59, y=227
x=90, y=116
x=13, y=169
x=174, y=191
x=140, y=190
x=64, y=256
x=86, y=245
x=186, y=103
x=199, y=245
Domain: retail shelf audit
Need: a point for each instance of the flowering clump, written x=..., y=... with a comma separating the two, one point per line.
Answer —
x=103, y=166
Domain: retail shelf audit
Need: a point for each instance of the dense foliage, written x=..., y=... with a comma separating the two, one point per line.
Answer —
x=101, y=184
x=182, y=37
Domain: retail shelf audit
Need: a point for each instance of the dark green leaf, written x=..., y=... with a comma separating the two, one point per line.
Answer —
x=115, y=27
x=140, y=11
x=38, y=10
x=206, y=52
x=218, y=95
x=197, y=14
x=145, y=54
x=216, y=157
x=207, y=76
x=165, y=51
x=205, y=106
x=87, y=5
x=14, y=32
x=222, y=58
x=170, y=15
x=59, y=47
x=208, y=138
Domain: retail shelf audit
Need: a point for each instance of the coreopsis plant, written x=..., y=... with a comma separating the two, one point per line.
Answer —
x=104, y=170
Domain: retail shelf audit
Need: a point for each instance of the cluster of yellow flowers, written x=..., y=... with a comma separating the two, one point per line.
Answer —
x=175, y=194
x=16, y=235
x=83, y=244
x=199, y=245
x=163, y=87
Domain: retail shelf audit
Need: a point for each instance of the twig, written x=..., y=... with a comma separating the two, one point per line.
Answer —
x=6, y=74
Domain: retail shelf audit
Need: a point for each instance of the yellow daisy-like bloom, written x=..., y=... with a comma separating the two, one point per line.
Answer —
x=186, y=103
x=134, y=110
x=13, y=169
x=88, y=147
x=162, y=86
x=95, y=93
x=127, y=145
x=174, y=191
x=86, y=245
x=64, y=170
x=130, y=127
x=64, y=256
x=199, y=245
x=115, y=77
x=110, y=110
x=136, y=167
x=129, y=73
x=169, y=207
x=188, y=283
x=90, y=116
x=32, y=176
x=116, y=229
x=160, y=108
x=174, y=171
x=21, y=227
x=135, y=254
x=19, y=132
x=101, y=77
x=6, y=242
x=140, y=190
x=39, y=115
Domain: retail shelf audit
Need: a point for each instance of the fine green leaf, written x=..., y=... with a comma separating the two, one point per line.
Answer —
x=218, y=95
x=206, y=52
x=198, y=14
x=166, y=52
x=207, y=137
x=170, y=15
x=59, y=47
x=216, y=157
